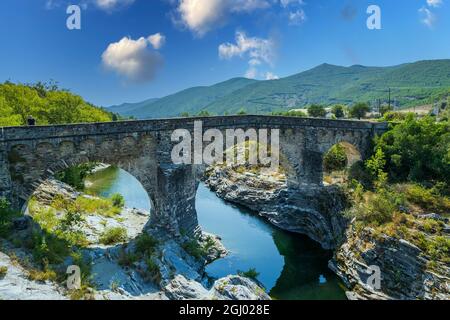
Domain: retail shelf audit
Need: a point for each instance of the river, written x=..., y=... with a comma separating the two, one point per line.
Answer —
x=291, y=266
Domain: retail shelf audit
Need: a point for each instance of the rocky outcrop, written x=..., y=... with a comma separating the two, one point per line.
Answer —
x=404, y=268
x=16, y=285
x=116, y=271
x=229, y=288
x=312, y=210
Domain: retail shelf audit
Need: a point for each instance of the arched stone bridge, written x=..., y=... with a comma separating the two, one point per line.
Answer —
x=29, y=155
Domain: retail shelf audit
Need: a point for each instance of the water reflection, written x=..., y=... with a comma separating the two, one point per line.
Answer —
x=291, y=266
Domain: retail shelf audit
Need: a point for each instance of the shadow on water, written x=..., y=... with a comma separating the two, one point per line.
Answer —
x=291, y=266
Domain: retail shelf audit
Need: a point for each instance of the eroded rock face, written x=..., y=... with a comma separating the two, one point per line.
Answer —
x=15, y=285
x=404, y=269
x=312, y=210
x=229, y=288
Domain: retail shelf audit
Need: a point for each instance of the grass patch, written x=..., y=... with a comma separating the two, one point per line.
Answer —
x=250, y=273
x=42, y=275
x=126, y=258
x=427, y=199
x=195, y=249
x=103, y=207
x=146, y=245
x=152, y=273
x=113, y=236
x=3, y=271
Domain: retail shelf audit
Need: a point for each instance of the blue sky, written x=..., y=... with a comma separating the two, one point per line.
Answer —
x=113, y=59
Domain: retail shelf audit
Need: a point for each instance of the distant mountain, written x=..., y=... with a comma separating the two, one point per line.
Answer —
x=127, y=109
x=190, y=100
x=410, y=84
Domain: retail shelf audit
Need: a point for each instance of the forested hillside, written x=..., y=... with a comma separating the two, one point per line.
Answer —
x=410, y=84
x=47, y=104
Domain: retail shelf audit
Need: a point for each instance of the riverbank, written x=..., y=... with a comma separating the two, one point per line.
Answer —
x=119, y=255
x=409, y=269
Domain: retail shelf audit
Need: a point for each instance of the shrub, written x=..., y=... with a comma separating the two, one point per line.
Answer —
x=417, y=150
x=242, y=112
x=6, y=217
x=338, y=110
x=118, y=200
x=3, y=271
x=126, y=259
x=359, y=172
x=146, y=244
x=359, y=110
x=250, y=273
x=335, y=159
x=317, y=111
x=195, y=249
x=152, y=273
x=42, y=275
x=428, y=199
x=113, y=236
x=74, y=176
x=103, y=207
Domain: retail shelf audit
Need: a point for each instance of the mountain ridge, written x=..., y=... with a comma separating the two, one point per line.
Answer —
x=410, y=83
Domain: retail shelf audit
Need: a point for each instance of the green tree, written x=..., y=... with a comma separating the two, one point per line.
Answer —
x=118, y=200
x=242, y=112
x=417, y=150
x=204, y=113
x=359, y=110
x=335, y=159
x=317, y=111
x=385, y=109
x=47, y=104
x=338, y=111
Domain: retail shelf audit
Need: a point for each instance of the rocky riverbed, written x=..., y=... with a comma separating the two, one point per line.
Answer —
x=141, y=266
x=311, y=210
x=317, y=211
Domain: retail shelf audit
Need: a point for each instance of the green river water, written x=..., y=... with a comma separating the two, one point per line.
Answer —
x=291, y=266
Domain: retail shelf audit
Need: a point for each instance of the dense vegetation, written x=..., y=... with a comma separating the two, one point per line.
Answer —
x=407, y=177
x=411, y=84
x=417, y=150
x=47, y=104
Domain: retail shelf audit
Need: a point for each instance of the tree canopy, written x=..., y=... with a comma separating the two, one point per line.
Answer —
x=417, y=150
x=47, y=104
x=359, y=110
x=317, y=111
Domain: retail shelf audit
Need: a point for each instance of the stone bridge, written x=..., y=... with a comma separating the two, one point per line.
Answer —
x=29, y=155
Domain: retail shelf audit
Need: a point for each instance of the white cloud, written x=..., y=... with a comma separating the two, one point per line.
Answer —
x=297, y=17
x=271, y=76
x=132, y=59
x=427, y=17
x=256, y=50
x=251, y=73
x=201, y=16
x=434, y=3
x=110, y=5
x=157, y=40
x=286, y=3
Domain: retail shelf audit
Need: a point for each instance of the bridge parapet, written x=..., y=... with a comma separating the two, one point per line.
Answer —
x=29, y=155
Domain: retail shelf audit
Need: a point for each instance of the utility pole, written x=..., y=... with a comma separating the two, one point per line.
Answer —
x=389, y=98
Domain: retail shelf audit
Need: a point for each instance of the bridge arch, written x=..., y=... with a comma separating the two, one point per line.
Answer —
x=143, y=148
